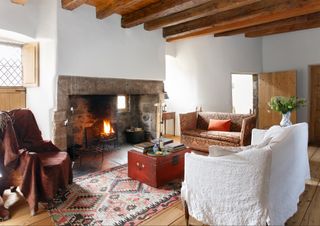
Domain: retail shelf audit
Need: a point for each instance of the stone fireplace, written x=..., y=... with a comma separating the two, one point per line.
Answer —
x=84, y=102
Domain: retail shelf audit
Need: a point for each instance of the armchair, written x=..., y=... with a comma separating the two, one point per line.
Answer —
x=38, y=167
x=227, y=190
x=238, y=188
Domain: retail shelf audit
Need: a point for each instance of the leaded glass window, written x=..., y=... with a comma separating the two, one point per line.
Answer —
x=10, y=65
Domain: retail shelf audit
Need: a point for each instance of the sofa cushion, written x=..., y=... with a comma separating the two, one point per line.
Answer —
x=195, y=132
x=217, y=150
x=233, y=137
x=219, y=125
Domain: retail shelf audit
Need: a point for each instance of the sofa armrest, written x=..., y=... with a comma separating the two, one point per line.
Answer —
x=257, y=136
x=247, y=125
x=188, y=121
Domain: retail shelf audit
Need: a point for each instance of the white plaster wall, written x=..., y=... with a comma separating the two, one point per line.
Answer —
x=101, y=48
x=41, y=99
x=37, y=21
x=294, y=50
x=199, y=71
x=18, y=18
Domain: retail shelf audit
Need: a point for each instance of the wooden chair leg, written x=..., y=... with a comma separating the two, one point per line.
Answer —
x=186, y=213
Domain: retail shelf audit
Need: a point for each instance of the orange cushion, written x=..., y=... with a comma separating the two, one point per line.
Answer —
x=219, y=125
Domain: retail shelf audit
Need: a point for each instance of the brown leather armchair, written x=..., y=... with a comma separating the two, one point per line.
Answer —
x=38, y=167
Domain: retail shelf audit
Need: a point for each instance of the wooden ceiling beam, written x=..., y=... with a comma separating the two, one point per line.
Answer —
x=291, y=22
x=210, y=21
x=20, y=2
x=72, y=4
x=206, y=9
x=110, y=7
x=242, y=17
x=300, y=25
x=158, y=9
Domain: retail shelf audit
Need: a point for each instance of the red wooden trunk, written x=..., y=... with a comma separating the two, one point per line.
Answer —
x=156, y=170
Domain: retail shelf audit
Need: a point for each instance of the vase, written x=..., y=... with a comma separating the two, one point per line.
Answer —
x=285, y=121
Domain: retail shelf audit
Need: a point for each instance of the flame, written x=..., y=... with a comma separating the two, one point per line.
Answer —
x=107, y=129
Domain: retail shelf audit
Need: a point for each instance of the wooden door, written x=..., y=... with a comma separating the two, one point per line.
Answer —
x=12, y=98
x=30, y=62
x=314, y=122
x=274, y=84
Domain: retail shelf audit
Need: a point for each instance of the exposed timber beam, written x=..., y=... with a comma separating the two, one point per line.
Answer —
x=294, y=22
x=212, y=21
x=259, y=13
x=72, y=4
x=156, y=10
x=20, y=2
x=206, y=9
x=314, y=23
x=110, y=7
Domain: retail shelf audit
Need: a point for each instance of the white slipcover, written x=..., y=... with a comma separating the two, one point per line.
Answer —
x=228, y=190
x=233, y=189
x=289, y=169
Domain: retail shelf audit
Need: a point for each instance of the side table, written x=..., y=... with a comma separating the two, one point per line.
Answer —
x=156, y=170
x=168, y=116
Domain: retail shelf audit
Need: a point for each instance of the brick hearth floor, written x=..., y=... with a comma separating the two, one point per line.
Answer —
x=308, y=212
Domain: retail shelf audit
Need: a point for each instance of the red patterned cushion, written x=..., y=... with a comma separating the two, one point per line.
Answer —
x=219, y=125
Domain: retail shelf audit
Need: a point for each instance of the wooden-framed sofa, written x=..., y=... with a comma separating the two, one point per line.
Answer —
x=195, y=134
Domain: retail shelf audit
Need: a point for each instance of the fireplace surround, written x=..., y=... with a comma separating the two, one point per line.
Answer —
x=148, y=92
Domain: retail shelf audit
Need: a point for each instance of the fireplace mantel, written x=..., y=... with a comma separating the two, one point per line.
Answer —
x=76, y=85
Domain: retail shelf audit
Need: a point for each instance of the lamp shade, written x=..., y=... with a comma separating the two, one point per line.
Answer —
x=166, y=97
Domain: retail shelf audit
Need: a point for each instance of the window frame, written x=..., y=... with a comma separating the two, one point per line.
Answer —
x=14, y=45
x=127, y=101
x=30, y=63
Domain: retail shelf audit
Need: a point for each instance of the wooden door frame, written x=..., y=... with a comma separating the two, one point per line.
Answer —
x=309, y=98
x=255, y=105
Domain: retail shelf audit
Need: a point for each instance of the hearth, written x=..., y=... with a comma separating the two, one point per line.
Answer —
x=91, y=119
x=98, y=120
x=87, y=106
x=101, y=134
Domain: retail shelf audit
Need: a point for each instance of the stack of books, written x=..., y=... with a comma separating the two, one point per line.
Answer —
x=173, y=147
x=143, y=147
x=165, y=141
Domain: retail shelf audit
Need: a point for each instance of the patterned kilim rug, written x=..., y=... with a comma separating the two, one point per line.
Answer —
x=111, y=198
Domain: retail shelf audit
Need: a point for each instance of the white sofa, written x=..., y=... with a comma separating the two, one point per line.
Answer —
x=257, y=194
x=289, y=170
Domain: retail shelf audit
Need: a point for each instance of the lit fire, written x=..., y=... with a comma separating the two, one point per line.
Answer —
x=107, y=129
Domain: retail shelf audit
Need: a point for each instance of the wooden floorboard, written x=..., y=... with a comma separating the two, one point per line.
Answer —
x=311, y=151
x=166, y=217
x=46, y=221
x=308, y=209
x=304, y=204
x=312, y=216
